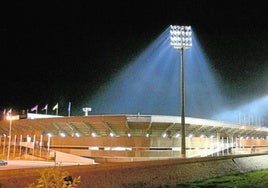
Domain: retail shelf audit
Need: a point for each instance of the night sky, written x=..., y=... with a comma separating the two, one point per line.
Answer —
x=63, y=51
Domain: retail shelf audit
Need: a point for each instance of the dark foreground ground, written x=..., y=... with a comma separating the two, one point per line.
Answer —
x=160, y=173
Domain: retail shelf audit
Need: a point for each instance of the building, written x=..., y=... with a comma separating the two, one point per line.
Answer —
x=123, y=137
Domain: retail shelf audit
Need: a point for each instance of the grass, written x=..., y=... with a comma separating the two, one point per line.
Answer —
x=254, y=179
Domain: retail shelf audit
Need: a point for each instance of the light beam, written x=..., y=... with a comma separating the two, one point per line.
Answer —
x=149, y=84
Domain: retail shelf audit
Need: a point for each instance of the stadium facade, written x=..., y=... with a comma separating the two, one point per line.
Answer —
x=126, y=137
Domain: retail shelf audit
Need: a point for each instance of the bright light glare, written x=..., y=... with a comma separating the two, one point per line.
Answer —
x=252, y=113
x=180, y=36
x=93, y=134
x=150, y=84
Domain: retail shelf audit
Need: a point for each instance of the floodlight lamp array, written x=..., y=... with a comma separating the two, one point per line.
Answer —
x=180, y=36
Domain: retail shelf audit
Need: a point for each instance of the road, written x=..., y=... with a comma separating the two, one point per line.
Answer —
x=22, y=164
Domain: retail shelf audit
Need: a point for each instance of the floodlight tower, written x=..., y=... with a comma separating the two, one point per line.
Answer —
x=180, y=39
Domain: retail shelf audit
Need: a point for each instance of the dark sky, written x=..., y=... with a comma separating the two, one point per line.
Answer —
x=62, y=51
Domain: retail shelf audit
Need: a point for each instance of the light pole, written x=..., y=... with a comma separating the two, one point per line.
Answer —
x=180, y=39
x=9, y=117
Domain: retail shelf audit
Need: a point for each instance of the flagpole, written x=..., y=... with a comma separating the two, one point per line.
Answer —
x=69, y=109
x=46, y=108
x=56, y=107
x=35, y=108
x=4, y=114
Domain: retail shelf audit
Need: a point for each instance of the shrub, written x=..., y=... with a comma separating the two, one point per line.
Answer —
x=55, y=177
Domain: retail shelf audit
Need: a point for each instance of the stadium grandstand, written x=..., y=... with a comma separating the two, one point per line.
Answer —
x=124, y=137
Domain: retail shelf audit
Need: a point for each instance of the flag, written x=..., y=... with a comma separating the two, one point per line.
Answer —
x=45, y=107
x=9, y=112
x=55, y=107
x=34, y=108
x=4, y=114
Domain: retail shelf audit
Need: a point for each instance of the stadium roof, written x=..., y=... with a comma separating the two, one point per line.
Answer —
x=121, y=125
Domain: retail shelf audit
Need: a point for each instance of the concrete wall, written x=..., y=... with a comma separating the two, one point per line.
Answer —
x=61, y=157
x=254, y=142
x=100, y=142
x=151, y=142
x=157, y=147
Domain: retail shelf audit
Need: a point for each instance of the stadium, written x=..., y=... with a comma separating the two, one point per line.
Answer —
x=124, y=137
